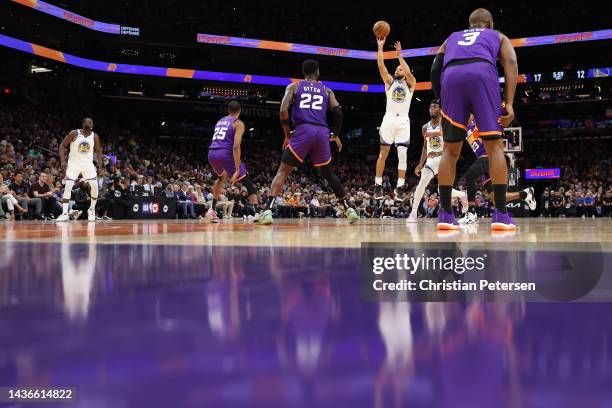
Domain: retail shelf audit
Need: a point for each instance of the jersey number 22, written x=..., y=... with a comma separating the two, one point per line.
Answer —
x=309, y=101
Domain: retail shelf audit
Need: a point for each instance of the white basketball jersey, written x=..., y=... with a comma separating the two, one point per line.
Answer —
x=399, y=97
x=82, y=148
x=433, y=136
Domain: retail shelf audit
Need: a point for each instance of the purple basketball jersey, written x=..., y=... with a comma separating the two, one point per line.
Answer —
x=310, y=104
x=480, y=43
x=223, y=138
x=474, y=140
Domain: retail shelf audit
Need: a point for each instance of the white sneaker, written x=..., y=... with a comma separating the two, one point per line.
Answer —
x=212, y=216
x=63, y=218
x=91, y=215
x=468, y=219
x=411, y=219
x=531, y=202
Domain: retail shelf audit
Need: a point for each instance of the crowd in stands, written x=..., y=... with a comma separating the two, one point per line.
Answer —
x=31, y=177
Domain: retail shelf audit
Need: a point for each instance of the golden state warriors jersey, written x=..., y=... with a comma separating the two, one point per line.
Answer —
x=82, y=148
x=433, y=137
x=399, y=97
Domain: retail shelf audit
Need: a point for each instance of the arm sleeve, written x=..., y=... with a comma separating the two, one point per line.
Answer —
x=436, y=73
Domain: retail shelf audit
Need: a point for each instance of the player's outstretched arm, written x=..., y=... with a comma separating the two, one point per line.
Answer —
x=238, y=133
x=380, y=61
x=284, y=109
x=65, y=145
x=409, y=76
x=337, y=116
x=507, y=58
x=98, y=148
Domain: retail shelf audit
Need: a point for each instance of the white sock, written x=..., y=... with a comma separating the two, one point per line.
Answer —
x=67, y=194
x=400, y=182
x=93, y=192
x=378, y=181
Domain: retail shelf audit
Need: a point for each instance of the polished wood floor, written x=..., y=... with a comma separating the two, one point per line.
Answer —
x=298, y=233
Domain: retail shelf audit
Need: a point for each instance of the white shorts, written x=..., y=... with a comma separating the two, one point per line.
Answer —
x=433, y=164
x=395, y=130
x=86, y=170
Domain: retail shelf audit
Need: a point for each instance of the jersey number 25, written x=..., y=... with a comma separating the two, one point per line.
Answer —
x=469, y=38
x=309, y=101
x=220, y=133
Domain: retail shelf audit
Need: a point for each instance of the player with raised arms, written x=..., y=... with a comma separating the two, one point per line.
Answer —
x=395, y=127
x=464, y=75
x=311, y=100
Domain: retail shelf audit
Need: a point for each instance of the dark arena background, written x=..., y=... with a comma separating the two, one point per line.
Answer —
x=167, y=295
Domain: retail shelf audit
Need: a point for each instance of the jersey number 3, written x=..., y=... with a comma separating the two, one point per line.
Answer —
x=469, y=38
x=309, y=101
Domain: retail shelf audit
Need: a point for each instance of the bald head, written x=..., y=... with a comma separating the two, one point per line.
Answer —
x=481, y=18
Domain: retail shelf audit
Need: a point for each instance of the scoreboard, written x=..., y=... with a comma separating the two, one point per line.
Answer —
x=565, y=75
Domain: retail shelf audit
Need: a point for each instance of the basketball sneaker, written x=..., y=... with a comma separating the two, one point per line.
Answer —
x=63, y=218
x=502, y=221
x=352, y=216
x=447, y=221
x=468, y=219
x=378, y=192
x=211, y=214
x=266, y=218
x=91, y=215
x=530, y=200
x=400, y=193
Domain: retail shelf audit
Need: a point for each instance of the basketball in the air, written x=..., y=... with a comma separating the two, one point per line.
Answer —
x=381, y=29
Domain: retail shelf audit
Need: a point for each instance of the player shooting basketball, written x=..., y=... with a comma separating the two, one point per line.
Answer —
x=395, y=127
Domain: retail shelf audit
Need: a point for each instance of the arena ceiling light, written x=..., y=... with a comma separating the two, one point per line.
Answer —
x=371, y=55
x=35, y=69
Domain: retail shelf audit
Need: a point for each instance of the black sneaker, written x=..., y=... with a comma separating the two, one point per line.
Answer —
x=378, y=192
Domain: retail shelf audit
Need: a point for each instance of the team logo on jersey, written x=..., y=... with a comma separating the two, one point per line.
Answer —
x=398, y=94
x=435, y=142
x=84, y=147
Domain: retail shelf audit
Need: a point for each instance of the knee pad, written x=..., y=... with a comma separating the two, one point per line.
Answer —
x=249, y=185
x=402, y=155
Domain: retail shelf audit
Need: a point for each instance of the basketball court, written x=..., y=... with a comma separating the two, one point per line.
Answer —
x=194, y=314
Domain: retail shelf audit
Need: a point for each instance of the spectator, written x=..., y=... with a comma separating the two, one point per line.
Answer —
x=185, y=206
x=19, y=189
x=43, y=191
x=8, y=200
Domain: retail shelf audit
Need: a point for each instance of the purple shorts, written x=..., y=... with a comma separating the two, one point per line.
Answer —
x=313, y=141
x=471, y=88
x=222, y=160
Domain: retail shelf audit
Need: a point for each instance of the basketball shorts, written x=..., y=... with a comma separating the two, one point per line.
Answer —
x=85, y=170
x=395, y=130
x=311, y=141
x=433, y=164
x=222, y=161
x=470, y=88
